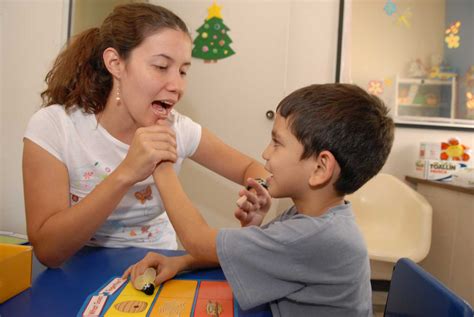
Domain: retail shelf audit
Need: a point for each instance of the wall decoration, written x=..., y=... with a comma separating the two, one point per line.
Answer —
x=404, y=19
x=390, y=8
x=375, y=87
x=212, y=43
x=454, y=150
x=388, y=82
x=452, y=39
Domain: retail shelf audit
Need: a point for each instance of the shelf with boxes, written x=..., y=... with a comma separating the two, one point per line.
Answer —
x=442, y=160
x=424, y=99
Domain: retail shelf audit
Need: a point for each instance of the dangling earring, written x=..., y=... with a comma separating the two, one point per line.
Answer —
x=117, y=96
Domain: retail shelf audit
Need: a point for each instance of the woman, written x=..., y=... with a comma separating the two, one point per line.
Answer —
x=108, y=120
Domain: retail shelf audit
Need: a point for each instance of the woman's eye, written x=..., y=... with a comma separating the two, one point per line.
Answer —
x=183, y=73
x=160, y=67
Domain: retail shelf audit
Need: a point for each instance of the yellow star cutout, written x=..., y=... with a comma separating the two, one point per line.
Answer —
x=214, y=11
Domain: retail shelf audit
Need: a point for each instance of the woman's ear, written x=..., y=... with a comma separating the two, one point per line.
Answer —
x=324, y=169
x=113, y=62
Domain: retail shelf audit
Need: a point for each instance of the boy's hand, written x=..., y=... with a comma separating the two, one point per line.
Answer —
x=166, y=267
x=253, y=204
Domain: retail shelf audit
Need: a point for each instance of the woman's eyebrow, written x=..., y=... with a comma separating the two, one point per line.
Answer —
x=170, y=58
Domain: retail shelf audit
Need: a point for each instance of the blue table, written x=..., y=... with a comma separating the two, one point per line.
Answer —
x=61, y=292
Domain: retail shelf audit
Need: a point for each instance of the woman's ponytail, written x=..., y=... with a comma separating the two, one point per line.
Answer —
x=78, y=76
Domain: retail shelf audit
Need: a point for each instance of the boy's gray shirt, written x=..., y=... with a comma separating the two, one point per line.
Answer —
x=302, y=265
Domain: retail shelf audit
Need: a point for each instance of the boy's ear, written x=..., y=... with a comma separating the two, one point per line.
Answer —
x=113, y=62
x=324, y=170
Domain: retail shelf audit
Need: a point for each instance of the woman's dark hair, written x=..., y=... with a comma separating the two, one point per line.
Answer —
x=79, y=76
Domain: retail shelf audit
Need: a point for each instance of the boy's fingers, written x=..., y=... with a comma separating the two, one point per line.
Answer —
x=259, y=189
x=240, y=214
x=241, y=201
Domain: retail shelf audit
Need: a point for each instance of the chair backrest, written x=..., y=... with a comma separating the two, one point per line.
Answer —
x=386, y=208
x=387, y=199
x=415, y=292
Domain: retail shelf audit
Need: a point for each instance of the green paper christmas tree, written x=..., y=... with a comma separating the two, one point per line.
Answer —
x=213, y=43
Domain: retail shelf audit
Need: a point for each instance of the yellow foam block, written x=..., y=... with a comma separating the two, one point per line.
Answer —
x=15, y=270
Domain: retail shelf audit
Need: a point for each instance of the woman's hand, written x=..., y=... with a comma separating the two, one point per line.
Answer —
x=150, y=146
x=166, y=267
x=253, y=204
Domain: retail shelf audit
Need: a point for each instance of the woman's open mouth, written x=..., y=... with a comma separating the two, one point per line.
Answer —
x=162, y=108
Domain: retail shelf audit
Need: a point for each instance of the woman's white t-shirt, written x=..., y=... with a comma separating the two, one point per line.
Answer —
x=90, y=154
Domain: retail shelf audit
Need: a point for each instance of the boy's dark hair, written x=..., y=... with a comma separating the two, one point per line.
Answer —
x=345, y=120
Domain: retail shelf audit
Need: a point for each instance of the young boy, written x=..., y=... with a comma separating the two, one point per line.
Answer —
x=327, y=141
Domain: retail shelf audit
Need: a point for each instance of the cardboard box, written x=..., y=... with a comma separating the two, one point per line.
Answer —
x=15, y=270
x=430, y=151
x=437, y=169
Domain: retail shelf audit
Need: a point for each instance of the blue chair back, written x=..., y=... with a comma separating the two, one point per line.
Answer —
x=415, y=292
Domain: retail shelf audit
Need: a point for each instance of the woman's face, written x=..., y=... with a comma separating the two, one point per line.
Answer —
x=154, y=78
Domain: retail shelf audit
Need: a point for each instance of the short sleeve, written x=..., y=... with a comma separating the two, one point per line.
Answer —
x=261, y=265
x=188, y=134
x=45, y=129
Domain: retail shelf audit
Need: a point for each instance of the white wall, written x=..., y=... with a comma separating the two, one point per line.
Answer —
x=32, y=33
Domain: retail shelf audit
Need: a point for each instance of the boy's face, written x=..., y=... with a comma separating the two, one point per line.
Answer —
x=290, y=175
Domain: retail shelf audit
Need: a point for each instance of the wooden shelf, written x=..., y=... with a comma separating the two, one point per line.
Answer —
x=447, y=185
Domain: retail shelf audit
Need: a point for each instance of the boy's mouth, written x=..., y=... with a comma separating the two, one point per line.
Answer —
x=162, y=108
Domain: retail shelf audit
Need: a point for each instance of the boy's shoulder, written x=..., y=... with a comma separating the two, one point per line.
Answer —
x=337, y=225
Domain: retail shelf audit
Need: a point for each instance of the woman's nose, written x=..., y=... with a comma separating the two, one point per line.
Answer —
x=176, y=83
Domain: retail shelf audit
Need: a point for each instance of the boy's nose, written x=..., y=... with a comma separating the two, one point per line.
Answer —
x=265, y=153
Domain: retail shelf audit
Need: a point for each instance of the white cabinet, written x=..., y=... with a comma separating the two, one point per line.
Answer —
x=425, y=100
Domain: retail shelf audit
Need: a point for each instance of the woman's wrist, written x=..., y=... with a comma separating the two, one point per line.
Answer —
x=122, y=177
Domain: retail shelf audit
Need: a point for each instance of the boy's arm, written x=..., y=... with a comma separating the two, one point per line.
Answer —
x=166, y=267
x=197, y=237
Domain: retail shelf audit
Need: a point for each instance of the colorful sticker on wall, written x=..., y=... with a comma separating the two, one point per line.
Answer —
x=404, y=19
x=375, y=87
x=469, y=100
x=388, y=82
x=213, y=43
x=454, y=150
x=390, y=8
x=452, y=39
